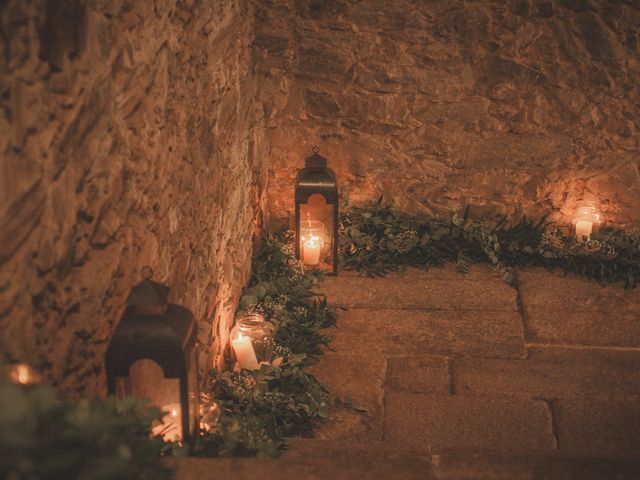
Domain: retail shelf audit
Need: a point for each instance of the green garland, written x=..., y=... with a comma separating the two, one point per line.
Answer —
x=377, y=239
x=44, y=438
x=260, y=408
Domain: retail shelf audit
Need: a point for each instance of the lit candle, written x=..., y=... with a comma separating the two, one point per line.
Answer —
x=587, y=217
x=20, y=374
x=171, y=426
x=245, y=353
x=584, y=229
x=311, y=255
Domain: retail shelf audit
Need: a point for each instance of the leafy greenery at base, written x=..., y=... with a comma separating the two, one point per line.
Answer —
x=376, y=239
x=44, y=438
x=260, y=408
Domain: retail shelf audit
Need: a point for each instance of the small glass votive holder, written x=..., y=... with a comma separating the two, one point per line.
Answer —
x=252, y=341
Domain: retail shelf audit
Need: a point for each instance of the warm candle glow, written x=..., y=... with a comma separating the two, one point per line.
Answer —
x=245, y=354
x=587, y=217
x=209, y=413
x=584, y=229
x=20, y=374
x=311, y=253
x=171, y=426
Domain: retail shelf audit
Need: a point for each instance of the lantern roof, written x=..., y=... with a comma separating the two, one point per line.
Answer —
x=315, y=161
x=148, y=293
x=316, y=177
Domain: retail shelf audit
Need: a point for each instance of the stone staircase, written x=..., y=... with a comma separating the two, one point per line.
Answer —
x=464, y=377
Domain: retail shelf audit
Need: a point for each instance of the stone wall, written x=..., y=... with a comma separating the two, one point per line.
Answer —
x=518, y=106
x=128, y=138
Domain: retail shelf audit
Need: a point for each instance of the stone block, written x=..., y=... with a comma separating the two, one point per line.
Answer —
x=471, y=465
x=598, y=428
x=509, y=425
x=415, y=332
x=314, y=462
x=477, y=273
x=544, y=289
x=416, y=292
x=570, y=309
x=551, y=326
x=359, y=378
x=552, y=373
x=423, y=374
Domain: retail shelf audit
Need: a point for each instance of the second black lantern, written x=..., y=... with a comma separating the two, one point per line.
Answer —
x=152, y=355
x=316, y=214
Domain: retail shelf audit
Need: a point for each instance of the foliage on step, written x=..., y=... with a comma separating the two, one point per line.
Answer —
x=376, y=239
x=42, y=437
x=260, y=408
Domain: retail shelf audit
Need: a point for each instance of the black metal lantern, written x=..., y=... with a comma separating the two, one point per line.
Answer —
x=152, y=355
x=316, y=198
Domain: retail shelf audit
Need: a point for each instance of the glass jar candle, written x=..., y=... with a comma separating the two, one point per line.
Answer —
x=252, y=341
x=586, y=219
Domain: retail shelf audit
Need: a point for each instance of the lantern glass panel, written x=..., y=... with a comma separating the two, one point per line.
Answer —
x=317, y=232
x=146, y=380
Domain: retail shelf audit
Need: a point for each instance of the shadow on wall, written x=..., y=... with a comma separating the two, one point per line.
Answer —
x=60, y=34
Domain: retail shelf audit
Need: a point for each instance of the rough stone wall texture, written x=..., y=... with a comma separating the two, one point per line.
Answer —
x=519, y=106
x=128, y=138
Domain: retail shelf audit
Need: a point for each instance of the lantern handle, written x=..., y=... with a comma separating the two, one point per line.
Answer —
x=146, y=272
x=315, y=149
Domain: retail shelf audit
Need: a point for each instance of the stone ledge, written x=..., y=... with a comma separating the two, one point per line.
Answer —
x=313, y=460
x=542, y=288
x=421, y=374
x=552, y=373
x=598, y=428
x=415, y=332
x=477, y=273
x=359, y=378
x=560, y=326
x=574, y=310
x=471, y=465
x=424, y=292
x=509, y=425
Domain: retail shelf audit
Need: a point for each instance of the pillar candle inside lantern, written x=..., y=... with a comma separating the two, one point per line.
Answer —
x=584, y=229
x=311, y=251
x=171, y=426
x=245, y=354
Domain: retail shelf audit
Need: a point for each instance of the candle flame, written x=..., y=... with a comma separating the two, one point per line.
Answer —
x=313, y=242
x=22, y=374
x=588, y=210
